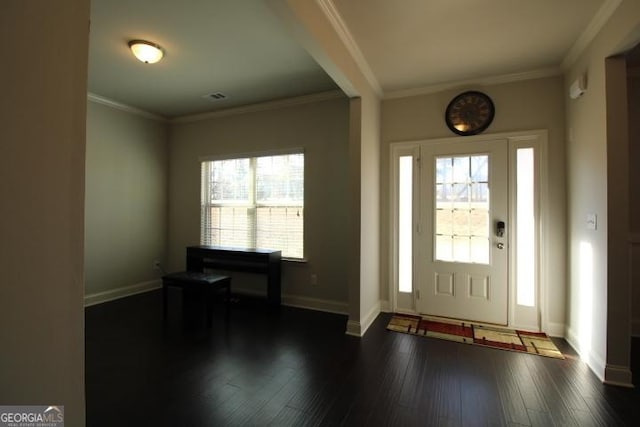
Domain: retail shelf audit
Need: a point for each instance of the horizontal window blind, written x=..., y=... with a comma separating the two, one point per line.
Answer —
x=255, y=202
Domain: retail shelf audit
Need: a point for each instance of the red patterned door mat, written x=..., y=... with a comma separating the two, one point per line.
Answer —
x=475, y=333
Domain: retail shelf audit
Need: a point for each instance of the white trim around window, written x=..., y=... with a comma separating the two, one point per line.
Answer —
x=254, y=200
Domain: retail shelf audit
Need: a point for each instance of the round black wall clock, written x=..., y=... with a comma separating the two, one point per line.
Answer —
x=469, y=113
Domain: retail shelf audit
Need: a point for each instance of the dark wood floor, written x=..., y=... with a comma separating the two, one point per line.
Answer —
x=297, y=367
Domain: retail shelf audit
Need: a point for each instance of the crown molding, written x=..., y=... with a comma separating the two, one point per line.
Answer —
x=124, y=107
x=251, y=108
x=481, y=81
x=590, y=32
x=262, y=106
x=341, y=28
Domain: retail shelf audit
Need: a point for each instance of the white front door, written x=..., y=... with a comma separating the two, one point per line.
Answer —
x=461, y=248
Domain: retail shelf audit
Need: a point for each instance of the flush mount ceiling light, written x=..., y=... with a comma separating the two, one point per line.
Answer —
x=145, y=51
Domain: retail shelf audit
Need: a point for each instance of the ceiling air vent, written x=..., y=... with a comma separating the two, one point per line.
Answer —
x=215, y=96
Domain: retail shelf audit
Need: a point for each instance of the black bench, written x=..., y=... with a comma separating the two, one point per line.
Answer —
x=197, y=281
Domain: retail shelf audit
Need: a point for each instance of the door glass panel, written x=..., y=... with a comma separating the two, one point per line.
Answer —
x=479, y=222
x=480, y=194
x=444, y=170
x=461, y=222
x=405, y=221
x=461, y=248
x=462, y=209
x=460, y=197
x=479, y=252
x=479, y=169
x=444, y=248
x=460, y=169
x=444, y=222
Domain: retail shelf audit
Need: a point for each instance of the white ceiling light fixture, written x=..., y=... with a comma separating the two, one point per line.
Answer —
x=145, y=51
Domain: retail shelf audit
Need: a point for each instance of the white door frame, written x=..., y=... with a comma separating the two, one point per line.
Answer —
x=536, y=138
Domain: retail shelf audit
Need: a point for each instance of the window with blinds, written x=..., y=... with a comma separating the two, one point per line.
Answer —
x=254, y=202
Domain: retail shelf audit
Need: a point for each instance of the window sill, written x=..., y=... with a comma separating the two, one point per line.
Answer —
x=296, y=260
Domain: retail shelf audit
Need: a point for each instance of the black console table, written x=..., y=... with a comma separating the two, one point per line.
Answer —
x=261, y=261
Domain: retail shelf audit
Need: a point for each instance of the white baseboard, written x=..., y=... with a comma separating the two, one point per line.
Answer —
x=593, y=361
x=527, y=328
x=370, y=317
x=317, y=304
x=555, y=329
x=124, y=291
x=359, y=328
x=620, y=376
x=299, y=301
x=354, y=328
x=407, y=311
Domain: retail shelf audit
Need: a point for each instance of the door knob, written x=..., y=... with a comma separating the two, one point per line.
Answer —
x=500, y=245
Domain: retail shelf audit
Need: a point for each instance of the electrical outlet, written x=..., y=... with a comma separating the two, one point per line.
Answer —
x=314, y=279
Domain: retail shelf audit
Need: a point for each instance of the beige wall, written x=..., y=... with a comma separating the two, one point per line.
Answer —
x=42, y=139
x=604, y=339
x=633, y=85
x=321, y=129
x=527, y=105
x=309, y=24
x=126, y=198
x=618, y=249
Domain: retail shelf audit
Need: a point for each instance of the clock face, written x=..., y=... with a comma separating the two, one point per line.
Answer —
x=469, y=113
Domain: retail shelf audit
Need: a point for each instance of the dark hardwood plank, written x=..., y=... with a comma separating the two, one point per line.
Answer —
x=532, y=397
x=540, y=418
x=288, y=417
x=377, y=394
x=480, y=395
x=438, y=397
x=296, y=367
x=508, y=373
x=554, y=402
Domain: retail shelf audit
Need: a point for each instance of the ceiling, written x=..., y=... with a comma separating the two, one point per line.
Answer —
x=431, y=42
x=240, y=48
x=237, y=47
